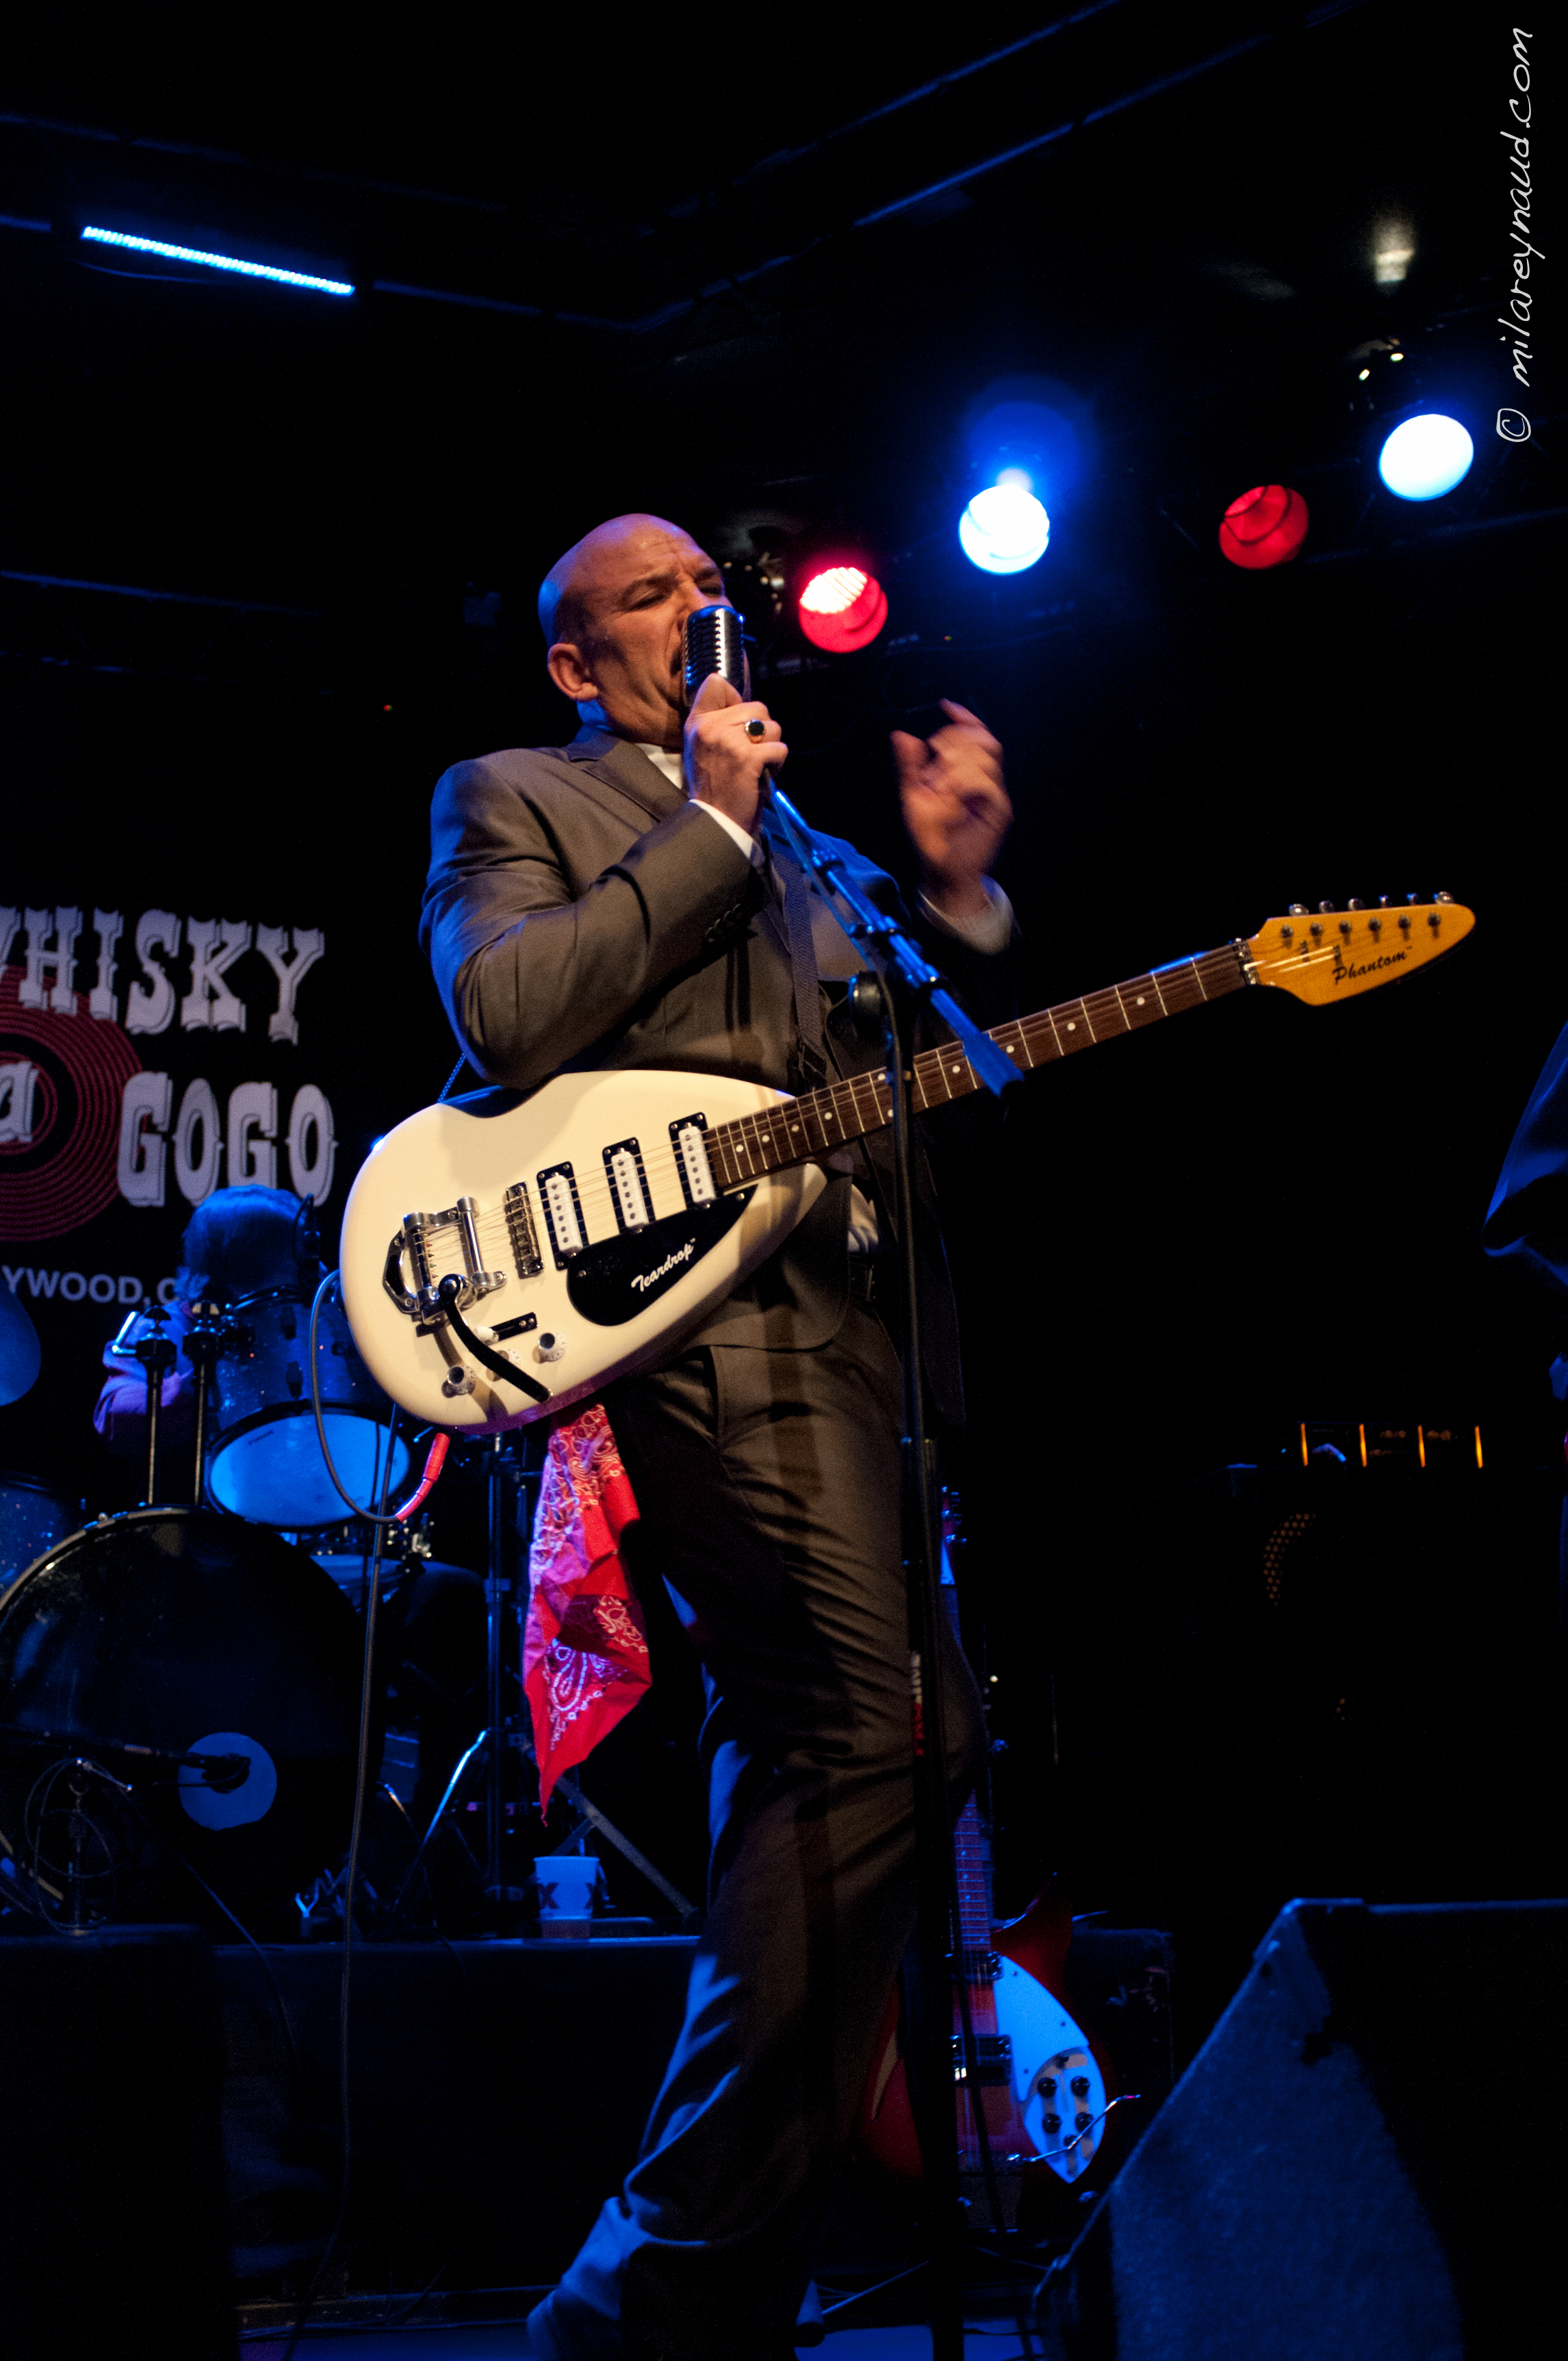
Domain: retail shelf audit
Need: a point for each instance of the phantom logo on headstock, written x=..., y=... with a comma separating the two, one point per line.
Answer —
x=1330, y=954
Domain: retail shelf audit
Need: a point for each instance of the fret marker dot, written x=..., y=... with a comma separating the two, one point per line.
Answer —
x=1071, y=1027
x=1140, y=1000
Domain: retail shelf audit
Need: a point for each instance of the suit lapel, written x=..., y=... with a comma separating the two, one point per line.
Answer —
x=616, y=764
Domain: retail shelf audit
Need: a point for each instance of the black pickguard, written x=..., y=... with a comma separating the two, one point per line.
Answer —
x=601, y=1281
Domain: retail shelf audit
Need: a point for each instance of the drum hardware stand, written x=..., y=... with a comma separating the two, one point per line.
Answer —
x=505, y=1479
x=206, y=1332
x=158, y=1355
x=515, y=1734
x=499, y=1478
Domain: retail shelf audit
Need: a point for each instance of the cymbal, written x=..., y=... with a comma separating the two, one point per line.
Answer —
x=19, y=1349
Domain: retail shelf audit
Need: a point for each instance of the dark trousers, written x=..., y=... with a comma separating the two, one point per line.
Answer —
x=769, y=1487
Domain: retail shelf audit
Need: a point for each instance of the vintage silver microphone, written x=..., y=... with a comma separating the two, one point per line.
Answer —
x=714, y=642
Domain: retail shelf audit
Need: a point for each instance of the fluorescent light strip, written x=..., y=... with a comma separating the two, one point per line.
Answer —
x=216, y=262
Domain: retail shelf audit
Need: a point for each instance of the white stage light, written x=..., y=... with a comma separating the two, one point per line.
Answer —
x=1426, y=456
x=1004, y=529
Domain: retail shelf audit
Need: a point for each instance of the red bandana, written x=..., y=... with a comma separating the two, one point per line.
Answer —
x=584, y=1647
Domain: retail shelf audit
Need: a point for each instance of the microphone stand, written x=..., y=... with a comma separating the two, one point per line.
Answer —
x=909, y=983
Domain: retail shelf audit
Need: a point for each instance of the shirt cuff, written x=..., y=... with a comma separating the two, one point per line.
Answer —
x=733, y=829
x=987, y=930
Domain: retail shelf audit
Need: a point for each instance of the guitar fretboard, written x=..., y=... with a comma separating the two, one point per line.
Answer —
x=799, y=1128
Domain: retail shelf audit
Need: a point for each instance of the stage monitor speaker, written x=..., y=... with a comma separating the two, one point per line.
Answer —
x=114, y=2234
x=1365, y=2160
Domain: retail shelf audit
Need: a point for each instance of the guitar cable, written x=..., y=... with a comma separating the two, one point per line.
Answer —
x=435, y=1459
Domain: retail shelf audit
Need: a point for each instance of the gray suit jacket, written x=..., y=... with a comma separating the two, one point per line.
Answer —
x=581, y=913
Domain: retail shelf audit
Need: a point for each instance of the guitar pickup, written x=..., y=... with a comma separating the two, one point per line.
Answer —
x=629, y=1184
x=993, y=2059
x=691, y=1160
x=562, y=1213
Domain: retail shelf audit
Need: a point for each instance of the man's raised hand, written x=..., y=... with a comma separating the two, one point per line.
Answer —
x=955, y=807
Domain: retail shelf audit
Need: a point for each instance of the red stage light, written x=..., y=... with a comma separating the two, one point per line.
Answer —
x=1264, y=527
x=842, y=607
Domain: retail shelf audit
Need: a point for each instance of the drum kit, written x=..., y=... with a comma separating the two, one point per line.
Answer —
x=180, y=1686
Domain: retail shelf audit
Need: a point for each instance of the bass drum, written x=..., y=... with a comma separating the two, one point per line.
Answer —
x=176, y=1629
x=32, y=1519
x=265, y=1462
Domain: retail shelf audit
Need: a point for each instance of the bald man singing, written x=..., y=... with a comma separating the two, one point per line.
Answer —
x=621, y=901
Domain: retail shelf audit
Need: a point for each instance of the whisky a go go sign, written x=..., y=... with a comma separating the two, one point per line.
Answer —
x=147, y=1059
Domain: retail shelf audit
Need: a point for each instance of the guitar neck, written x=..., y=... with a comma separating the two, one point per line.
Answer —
x=800, y=1128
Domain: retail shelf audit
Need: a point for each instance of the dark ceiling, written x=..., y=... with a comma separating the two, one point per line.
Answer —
x=618, y=263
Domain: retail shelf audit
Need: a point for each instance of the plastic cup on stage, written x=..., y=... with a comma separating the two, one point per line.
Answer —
x=569, y=1885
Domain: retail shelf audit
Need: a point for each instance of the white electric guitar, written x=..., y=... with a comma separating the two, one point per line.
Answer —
x=500, y=1266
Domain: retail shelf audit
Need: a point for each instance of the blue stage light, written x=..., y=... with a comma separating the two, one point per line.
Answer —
x=1004, y=529
x=217, y=261
x=1426, y=456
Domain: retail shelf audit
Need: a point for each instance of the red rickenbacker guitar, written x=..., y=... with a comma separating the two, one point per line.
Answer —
x=1046, y=2091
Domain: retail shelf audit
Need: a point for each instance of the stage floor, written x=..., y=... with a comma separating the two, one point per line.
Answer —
x=999, y=2343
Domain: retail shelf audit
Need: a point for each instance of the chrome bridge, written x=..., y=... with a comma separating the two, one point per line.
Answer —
x=423, y=1294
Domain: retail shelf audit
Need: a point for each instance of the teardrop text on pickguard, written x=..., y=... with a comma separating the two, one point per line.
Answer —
x=611, y=1282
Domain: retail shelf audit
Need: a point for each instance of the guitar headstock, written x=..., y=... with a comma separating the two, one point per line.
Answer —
x=1327, y=954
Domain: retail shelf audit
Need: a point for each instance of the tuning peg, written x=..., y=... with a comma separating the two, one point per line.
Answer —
x=1383, y=901
x=1325, y=909
x=1443, y=897
x=1297, y=909
x=1353, y=905
x=1412, y=898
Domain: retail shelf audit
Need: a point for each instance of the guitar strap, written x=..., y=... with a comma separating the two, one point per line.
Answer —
x=811, y=1060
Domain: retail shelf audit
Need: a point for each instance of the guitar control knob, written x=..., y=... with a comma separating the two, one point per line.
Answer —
x=549, y=1347
x=1080, y=2086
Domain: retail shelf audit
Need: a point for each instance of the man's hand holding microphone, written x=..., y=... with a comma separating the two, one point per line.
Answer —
x=731, y=741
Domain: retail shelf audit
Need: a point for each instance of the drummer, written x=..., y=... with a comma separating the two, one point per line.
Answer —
x=237, y=1242
x=247, y=1241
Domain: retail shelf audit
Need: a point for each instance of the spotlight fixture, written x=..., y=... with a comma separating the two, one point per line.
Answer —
x=1425, y=456
x=840, y=605
x=1004, y=529
x=1266, y=527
